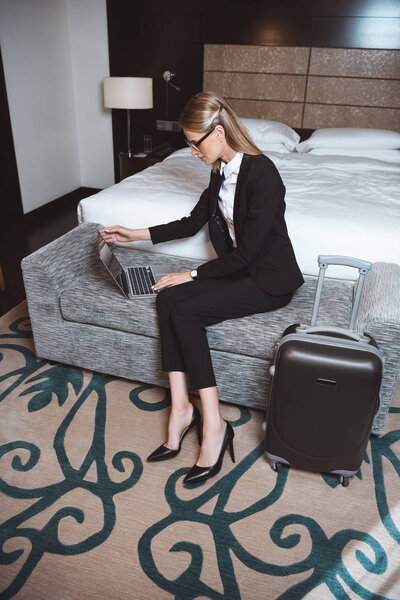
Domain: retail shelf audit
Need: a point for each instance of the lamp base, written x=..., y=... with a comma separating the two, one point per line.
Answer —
x=129, y=132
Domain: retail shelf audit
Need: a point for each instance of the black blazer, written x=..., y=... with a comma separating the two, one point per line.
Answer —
x=263, y=244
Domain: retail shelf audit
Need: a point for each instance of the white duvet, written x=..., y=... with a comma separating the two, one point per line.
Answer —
x=335, y=205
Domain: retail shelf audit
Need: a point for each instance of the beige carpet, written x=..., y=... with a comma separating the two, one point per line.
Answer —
x=85, y=517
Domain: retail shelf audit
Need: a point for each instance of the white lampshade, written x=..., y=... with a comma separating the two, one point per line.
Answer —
x=128, y=92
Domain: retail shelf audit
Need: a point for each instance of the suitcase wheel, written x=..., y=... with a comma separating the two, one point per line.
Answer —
x=276, y=466
x=344, y=480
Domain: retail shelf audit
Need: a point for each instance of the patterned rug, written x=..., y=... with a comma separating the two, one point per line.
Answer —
x=84, y=516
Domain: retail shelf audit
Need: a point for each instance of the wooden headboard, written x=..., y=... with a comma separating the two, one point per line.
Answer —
x=307, y=88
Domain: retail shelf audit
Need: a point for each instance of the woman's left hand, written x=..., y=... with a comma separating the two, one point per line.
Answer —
x=172, y=279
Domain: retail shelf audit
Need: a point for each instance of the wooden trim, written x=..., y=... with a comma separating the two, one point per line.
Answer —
x=12, y=210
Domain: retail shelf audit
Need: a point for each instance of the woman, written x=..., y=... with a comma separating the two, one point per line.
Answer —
x=255, y=272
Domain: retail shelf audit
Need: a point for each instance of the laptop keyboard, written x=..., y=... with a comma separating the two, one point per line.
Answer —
x=141, y=280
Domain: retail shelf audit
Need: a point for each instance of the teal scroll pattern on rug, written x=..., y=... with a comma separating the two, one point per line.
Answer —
x=44, y=383
x=20, y=328
x=135, y=398
x=325, y=558
x=49, y=382
x=382, y=448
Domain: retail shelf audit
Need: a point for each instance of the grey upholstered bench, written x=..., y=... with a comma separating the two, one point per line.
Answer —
x=79, y=317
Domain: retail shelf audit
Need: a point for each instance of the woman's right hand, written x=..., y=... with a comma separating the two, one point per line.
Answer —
x=117, y=233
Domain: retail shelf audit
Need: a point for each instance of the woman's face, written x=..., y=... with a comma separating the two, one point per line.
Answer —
x=211, y=148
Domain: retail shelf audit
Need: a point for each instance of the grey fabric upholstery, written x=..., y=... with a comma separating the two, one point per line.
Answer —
x=79, y=317
x=103, y=304
x=379, y=315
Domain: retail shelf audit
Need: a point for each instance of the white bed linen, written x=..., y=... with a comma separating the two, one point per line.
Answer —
x=335, y=205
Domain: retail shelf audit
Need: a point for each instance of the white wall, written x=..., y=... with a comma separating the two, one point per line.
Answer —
x=89, y=51
x=50, y=95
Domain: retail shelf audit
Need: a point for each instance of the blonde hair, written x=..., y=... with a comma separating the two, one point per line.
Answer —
x=206, y=110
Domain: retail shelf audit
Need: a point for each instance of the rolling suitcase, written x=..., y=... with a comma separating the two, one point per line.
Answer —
x=324, y=391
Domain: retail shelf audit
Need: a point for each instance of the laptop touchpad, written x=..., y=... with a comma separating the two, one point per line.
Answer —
x=161, y=270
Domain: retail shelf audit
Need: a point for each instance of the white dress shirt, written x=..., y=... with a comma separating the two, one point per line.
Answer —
x=230, y=171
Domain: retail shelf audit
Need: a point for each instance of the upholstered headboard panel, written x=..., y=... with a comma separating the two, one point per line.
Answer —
x=308, y=87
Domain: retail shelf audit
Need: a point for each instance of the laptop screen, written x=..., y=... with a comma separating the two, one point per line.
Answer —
x=111, y=263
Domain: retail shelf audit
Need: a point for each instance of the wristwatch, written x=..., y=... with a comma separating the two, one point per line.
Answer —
x=193, y=274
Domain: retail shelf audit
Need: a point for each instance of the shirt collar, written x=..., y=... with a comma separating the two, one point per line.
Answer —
x=232, y=166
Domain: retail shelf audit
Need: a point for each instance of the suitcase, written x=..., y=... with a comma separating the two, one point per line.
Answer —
x=324, y=391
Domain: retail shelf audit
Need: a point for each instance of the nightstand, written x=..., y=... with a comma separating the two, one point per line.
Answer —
x=135, y=164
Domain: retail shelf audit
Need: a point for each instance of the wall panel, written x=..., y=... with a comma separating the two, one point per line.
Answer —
x=383, y=64
x=287, y=112
x=257, y=86
x=312, y=23
x=354, y=92
x=258, y=59
x=317, y=116
x=356, y=32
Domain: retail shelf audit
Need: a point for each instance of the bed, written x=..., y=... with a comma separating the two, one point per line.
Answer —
x=342, y=195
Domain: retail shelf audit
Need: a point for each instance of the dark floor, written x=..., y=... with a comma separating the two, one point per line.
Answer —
x=37, y=228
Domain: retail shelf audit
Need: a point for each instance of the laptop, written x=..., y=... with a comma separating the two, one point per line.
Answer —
x=134, y=282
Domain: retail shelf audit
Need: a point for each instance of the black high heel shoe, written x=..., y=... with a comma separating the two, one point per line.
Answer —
x=197, y=474
x=164, y=453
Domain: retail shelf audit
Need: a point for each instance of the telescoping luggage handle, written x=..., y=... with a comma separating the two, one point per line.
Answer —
x=363, y=267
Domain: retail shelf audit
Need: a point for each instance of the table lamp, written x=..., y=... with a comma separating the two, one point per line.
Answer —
x=128, y=93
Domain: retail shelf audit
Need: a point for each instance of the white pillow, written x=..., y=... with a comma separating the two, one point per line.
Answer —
x=351, y=137
x=273, y=148
x=271, y=132
x=385, y=155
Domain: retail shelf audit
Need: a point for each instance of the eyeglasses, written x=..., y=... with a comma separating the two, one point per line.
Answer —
x=196, y=145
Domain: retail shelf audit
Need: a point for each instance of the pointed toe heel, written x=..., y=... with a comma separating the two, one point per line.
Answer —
x=198, y=474
x=164, y=453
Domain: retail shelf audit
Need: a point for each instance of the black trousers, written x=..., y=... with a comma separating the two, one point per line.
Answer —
x=185, y=310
